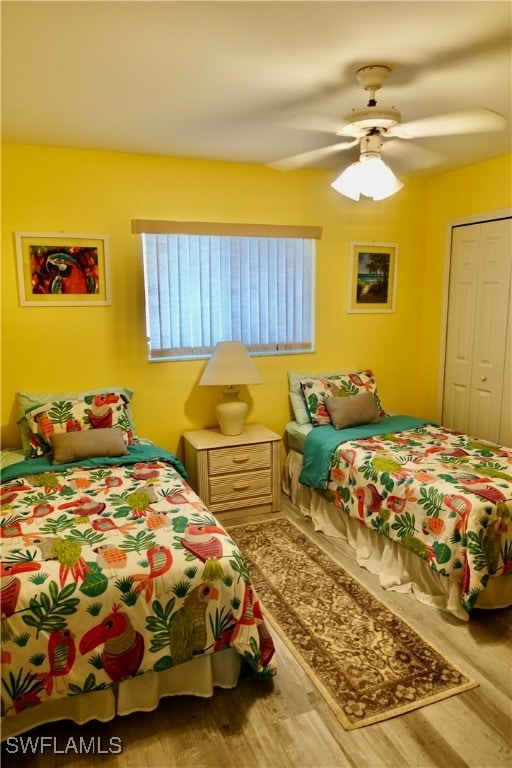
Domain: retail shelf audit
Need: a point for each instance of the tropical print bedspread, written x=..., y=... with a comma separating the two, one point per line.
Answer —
x=113, y=569
x=443, y=495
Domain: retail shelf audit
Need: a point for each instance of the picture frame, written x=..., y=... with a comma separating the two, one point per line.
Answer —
x=373, y=270
x=62, y=269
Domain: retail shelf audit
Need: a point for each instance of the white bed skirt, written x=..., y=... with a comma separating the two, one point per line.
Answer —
x=142, y=693
x=397, y=568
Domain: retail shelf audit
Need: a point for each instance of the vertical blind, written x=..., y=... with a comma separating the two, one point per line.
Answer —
x=201, y=289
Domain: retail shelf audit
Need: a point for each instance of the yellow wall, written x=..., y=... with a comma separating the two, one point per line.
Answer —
x=486, y=187
x=63, y=348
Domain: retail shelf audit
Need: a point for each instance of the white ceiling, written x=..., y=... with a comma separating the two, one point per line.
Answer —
x=224, y=80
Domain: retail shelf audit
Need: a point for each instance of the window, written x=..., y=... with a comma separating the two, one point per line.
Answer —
x=206, y=283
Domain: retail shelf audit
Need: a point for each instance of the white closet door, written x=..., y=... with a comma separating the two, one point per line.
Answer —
x=506, y=403
x=461, y=325
x=479, y=305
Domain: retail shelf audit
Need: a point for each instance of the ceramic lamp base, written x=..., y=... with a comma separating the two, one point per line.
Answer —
x=231, y=413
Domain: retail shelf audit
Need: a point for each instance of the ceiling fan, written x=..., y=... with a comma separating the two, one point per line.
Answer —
x=371, y=126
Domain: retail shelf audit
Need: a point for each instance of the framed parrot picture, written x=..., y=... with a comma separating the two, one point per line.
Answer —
x=69, y=270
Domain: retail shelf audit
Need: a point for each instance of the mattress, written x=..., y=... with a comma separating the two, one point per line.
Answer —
x=295, y=435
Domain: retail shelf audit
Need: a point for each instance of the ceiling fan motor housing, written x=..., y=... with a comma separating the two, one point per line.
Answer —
x=359, y=121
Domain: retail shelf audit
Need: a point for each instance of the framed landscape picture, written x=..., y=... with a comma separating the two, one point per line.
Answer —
x=59, y=269
x=372, y=277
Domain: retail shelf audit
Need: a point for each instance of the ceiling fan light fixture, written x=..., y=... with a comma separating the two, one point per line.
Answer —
x=370, y=177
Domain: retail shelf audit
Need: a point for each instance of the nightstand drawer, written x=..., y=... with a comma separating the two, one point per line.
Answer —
x=239, y=459
x=250, y=485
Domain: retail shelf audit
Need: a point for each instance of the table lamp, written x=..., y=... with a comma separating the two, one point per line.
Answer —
x=230, y=365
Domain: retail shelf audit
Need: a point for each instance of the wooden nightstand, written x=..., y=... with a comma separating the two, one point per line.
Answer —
x=235, y=474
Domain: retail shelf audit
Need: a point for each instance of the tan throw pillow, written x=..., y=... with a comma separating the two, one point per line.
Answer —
x=87, y=444
x=353, y=411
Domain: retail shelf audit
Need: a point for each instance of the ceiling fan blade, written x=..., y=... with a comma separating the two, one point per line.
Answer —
x=473, y=120
x=311, y=121
x=313, y=156
x=323, y=123
x=410, y=155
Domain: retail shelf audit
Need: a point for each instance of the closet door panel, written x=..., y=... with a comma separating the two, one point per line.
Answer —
x=460, y=330
x=506, y=401
x=488, y=362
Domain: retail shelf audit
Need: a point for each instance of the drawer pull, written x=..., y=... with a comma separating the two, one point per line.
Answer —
x=241, y=486
x=240, y=458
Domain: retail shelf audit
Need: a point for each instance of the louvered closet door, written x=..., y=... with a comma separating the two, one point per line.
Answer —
x=476, y=343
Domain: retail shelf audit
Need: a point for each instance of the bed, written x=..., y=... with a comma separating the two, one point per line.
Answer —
x=118, y=585
x=427, y=509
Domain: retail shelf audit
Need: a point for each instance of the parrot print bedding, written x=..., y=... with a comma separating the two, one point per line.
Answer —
x=112, y=567
x=445, y=496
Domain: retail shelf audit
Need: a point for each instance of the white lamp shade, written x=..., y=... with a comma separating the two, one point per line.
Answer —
x=230, y=364
x=348, y=182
